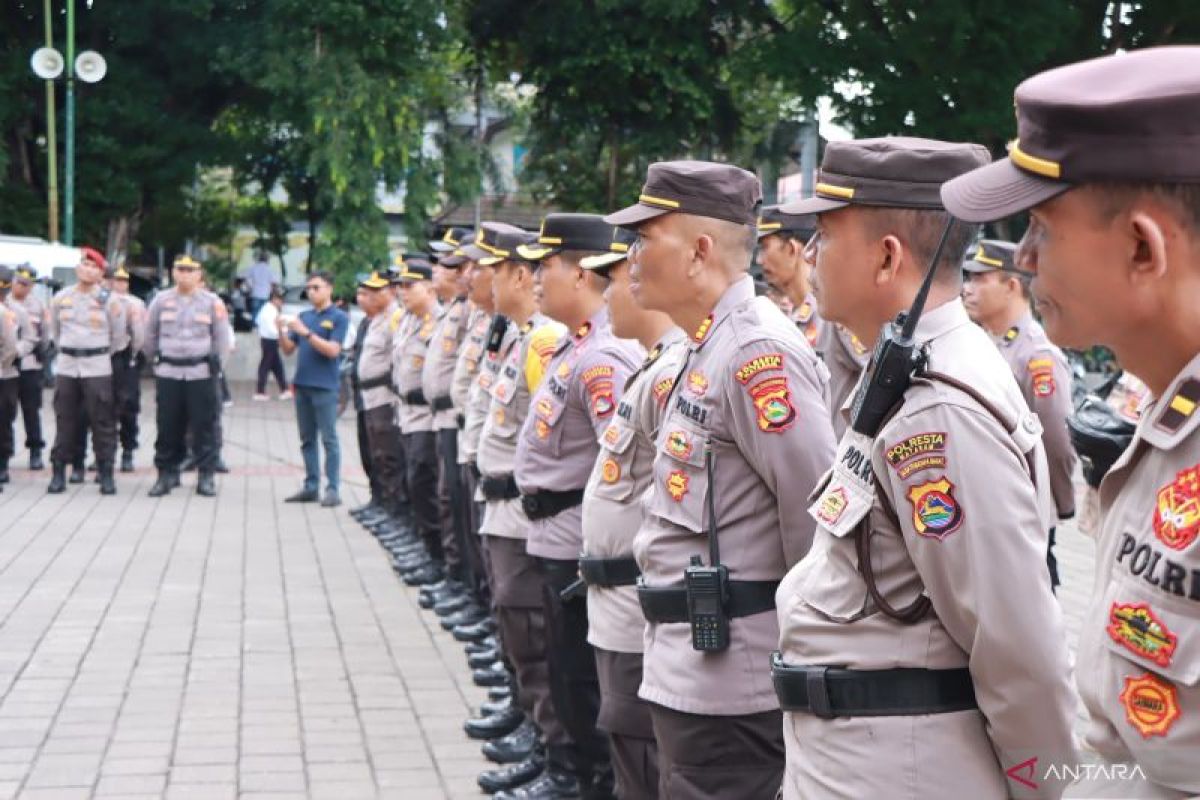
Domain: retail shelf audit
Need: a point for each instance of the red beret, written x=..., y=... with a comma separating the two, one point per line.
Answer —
x=93, y=254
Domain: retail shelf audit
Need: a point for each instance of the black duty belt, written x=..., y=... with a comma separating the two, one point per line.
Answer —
x=415, y=397
x=501, y=488
x=191, y=361
x=609, y=571
x=375, y=383
x=669, y=603
x=547, y=504
x=84, y=352
x=441, y=403
x=829, y=692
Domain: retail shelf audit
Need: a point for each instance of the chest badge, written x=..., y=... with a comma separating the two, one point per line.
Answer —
x=697, y=383
x=1177, y=510
x=679, y=444
x=610, y=471
x=1151, y=704
x=1139, y=629
x=677, y=485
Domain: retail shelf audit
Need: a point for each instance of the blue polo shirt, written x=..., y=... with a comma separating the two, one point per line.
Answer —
x=313, y=369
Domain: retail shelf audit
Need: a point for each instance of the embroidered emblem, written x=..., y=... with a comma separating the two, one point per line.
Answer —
x=501, y=391
x=418, y=362
x=542, y=428
x=773, y=399
x=602, y=404
x=1043, y=384
x=601, y=371
x=1010, y=335
x=856, y=344
x=697, y=383
x=327, y=324
x=449, y=345
x=1151, y=704
x=611, y=434
x=804, y=312
x=1139, y=629
x=564, y=370
x=499, y=416
x=679, y=444
x=1177, y=510
x=583, y=330
x=662, y=389
x=610, y=471
x=918, y=452
x=833, y=505
x=936, y=513
x=544, y=407
x=677, y=485
x=758, y=364
x=811, y=331
x=1181, y=407
x=702, y=332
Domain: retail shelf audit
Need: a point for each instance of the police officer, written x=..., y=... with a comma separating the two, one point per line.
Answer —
x=612, y=515
x=510, y=379
x=926, y=582
x=556, y=451
x=373, y=385
x=1102, y=163
x=127, y=384
x=450, y=286
x=186, y=337
x=781, y=242
x=17, y=341
x=415, y=417
x=33, y=365
x=996, y=296
x=88, y=325
x=743, y=439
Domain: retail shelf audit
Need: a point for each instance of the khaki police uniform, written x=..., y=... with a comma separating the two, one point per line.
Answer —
x=612, y=514
x=186, y=335
x=414, y=418
x=87, y=326
x=127, y=384
x=469, y=401
x=373, y=378
x=922, y=653
x=1123, y=119
x=19, y=340
x=437, y=376
x=33, y=374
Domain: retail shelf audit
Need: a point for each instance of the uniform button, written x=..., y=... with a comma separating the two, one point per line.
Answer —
x=1030, y=425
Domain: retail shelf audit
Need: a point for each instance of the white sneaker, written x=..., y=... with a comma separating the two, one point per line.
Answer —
x=286, y=395
x=261, y=397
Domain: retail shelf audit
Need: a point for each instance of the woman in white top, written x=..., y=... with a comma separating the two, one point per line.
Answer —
x=268, y=337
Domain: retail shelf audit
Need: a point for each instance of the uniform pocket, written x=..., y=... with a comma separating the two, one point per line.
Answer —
x=616, y=462
x=504, y=418
x=680, y=478
x=1150, y=627
x=547, y=413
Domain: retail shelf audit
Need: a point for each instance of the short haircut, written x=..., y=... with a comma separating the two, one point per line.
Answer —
x=1114, y=197
x=323, y=275
x=921, y=230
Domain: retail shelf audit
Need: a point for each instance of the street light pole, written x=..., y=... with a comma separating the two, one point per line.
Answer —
x=51, y=136
x=69, y=215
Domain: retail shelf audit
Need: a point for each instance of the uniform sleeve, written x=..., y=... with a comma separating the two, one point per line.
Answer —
x=602, y=376
x=340, y=328
x=222, y=335
x=1050, y=389
x=150, y=329
x=972, y=526
x=53, y=323
x=780, y=422
x=27, y=339
x=8, y=348
x=118, y=317
x=137, y=327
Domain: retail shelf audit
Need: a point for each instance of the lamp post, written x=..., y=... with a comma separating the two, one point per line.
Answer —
x=51, y=136
x=69, y=214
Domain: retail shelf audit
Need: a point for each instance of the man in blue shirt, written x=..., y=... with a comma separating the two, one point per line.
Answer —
x=317, y=334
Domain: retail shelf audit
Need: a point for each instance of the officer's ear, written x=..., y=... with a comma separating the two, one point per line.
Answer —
x=891, y=256
x=1148, y=254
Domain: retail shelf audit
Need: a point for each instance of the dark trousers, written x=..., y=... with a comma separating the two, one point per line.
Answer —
x=271, y=363
x=185, y=407
x=450, y=510
x=476, y=560
x=364, y=454
x=522, y=624
x=421, y=466
x=80, y=404
x=10, y=401
x=574, y=687
x=31, y=383
x=625, y=717
x=387, y=470
x=1052, y=563
x=127, y=387
x=701, y=757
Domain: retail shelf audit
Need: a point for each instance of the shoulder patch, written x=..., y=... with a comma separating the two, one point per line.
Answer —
x=1181, y=407
x=757, y=365
x=773, y=401
x=597, y=372
x=935, y=512
x=917, y=452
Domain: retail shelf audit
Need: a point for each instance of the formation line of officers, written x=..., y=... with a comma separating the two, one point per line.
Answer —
x=96, y=335
x=702, y=546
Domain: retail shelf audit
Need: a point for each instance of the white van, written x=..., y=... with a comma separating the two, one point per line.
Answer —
x=51, y=261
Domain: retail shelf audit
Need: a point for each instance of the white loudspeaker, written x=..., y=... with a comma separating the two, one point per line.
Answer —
x=47, y=63
x=90, y=66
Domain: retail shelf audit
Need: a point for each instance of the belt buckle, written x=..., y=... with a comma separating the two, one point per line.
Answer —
x=530, y=504
x=817, y=686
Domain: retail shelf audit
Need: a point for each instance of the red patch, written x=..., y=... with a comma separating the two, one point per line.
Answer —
x=603, y=403
x=773, y=400
x=1177, y=510
x=677, y=485
x=1136, y=627
x=662, y=390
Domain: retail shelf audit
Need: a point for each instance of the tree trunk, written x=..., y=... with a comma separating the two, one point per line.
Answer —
x=614, y=166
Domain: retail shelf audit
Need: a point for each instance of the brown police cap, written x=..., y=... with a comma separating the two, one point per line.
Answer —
x=889, y=172
x=702, y=188
x=774, y=220
x=1127, y=117
x=456, y=257
x=992, y=254
x=617, y=251
x=586, y=232
x=488, y=243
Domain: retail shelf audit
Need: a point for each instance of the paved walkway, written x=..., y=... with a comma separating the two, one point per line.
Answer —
x=238, y=647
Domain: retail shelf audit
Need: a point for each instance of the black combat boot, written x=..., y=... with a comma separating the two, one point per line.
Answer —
x=107, y=484
x=35, y=459
x=78, y=473
x=163, y=485
x=127, y=461
x=58, y=479
x=3, y=470
x=206, y=485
